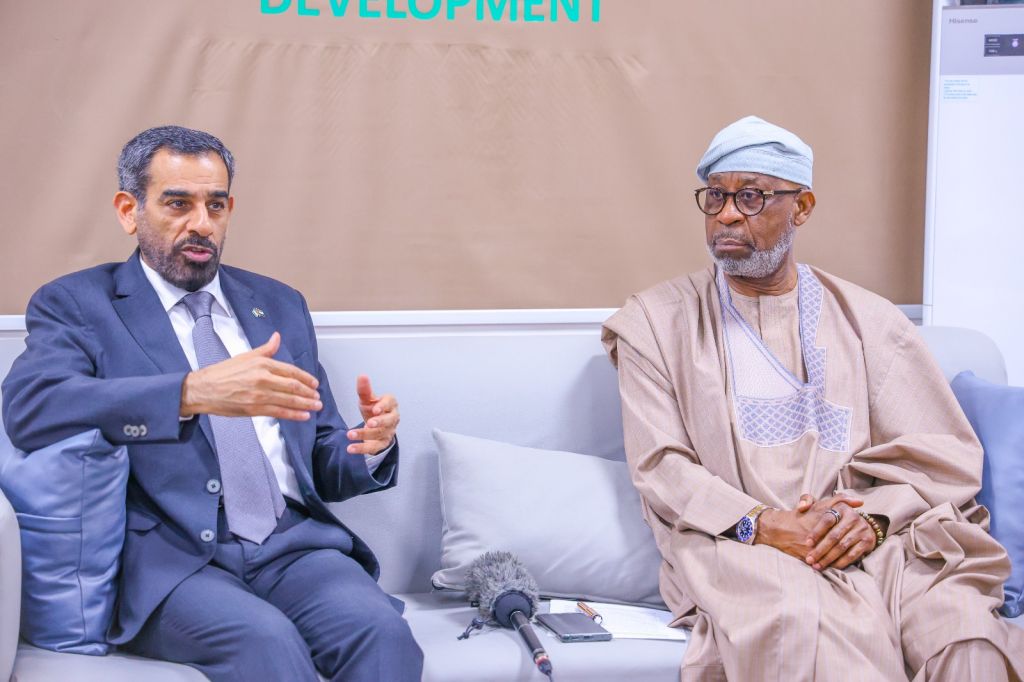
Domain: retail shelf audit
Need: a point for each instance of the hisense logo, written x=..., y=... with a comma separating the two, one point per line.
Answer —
x=425, y=10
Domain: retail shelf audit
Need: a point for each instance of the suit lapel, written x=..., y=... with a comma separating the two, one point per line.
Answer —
x=144, y=316
x=258, y=320
x=140, y=310
x=255, y=316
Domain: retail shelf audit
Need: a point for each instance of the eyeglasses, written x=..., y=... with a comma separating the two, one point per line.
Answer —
x=749, y=200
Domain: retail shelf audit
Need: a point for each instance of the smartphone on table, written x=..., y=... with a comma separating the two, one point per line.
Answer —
x=574, y=627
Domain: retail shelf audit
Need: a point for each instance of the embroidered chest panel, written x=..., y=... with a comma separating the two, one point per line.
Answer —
x=773, y=406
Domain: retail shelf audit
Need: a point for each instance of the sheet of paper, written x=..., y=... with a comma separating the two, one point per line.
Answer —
x=628, y=622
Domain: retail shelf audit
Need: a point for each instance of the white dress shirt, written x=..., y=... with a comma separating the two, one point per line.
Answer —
x=268, y=429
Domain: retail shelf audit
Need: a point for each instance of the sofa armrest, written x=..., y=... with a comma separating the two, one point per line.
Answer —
x=10, y=587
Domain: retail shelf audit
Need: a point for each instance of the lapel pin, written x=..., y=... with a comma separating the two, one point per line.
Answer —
x=258, y=312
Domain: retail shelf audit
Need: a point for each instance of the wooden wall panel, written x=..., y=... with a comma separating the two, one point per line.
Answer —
x=413, y=164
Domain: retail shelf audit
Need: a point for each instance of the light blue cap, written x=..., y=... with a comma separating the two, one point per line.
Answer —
x=754, y=145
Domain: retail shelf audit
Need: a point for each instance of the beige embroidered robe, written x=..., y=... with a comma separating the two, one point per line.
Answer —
x=715, y=423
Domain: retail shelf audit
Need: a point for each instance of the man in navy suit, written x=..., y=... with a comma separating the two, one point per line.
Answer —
x=232, y=561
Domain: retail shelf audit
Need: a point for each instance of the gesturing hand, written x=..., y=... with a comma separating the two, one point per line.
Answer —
x=380, y=415
x=251, y=384
x=837, y=542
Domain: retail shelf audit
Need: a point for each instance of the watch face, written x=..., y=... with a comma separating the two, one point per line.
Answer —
x=745, y=530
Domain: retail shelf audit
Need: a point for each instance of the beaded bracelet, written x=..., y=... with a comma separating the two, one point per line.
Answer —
x=879, y=533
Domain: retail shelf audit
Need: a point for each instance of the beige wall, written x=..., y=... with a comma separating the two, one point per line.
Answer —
x=390, y=164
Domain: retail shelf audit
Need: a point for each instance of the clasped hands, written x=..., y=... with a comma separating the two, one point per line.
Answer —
x=814, y=535
x=254, y=384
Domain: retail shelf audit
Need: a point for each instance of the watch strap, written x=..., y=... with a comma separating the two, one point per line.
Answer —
x=746, y=529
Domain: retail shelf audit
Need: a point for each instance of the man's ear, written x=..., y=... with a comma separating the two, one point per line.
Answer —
x=805, y=203
x=125, y=205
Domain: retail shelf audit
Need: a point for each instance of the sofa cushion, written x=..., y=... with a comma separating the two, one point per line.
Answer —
x=38, y=665
x=995, y=412
x=10, y=586
x=70, y=504
x=573, y=520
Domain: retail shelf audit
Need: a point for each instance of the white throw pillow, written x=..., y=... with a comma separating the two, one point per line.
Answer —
x=573, y=520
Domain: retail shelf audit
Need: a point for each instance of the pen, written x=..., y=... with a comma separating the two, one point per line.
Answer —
x=589, y=612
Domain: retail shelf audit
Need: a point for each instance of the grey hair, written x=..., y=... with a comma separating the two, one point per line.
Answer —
x=133, y=164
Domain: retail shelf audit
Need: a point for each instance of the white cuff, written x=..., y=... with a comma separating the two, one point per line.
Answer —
x=373, y=461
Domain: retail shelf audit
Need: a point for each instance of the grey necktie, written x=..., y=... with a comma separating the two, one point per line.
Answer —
x=252, y=498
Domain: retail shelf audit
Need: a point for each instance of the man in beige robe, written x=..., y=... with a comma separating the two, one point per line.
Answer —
x=775, y=416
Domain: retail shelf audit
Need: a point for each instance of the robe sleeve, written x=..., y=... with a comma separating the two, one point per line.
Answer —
x=663, y=465
x=923, y=451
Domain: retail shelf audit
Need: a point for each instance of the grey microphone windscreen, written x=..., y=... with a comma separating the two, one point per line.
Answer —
x=494, y=574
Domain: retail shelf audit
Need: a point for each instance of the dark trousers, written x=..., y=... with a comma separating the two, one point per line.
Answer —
x=283, y=610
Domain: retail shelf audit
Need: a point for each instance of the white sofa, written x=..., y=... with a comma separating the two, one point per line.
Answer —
x=533, y=378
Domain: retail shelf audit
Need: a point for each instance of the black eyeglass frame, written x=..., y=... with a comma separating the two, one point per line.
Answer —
x=765, y=195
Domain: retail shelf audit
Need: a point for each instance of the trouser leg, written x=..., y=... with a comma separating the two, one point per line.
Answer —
x=214, y=622
x=351, y=626
x=974, y=659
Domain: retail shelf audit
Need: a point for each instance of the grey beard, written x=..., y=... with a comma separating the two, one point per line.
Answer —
x=762, y=262
x=171, y=265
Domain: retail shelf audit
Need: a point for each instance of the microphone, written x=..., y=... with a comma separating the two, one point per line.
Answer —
x=506, y=592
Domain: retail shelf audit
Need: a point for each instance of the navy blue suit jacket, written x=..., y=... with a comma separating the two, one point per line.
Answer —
x=101, y=352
